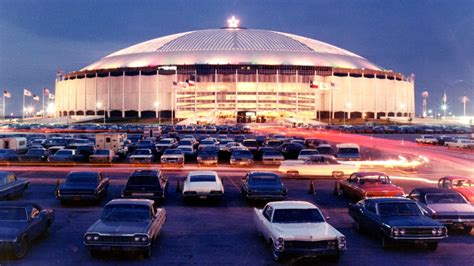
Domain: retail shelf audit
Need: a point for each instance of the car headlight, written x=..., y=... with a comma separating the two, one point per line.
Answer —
x=402, y=231
x=395, y=231
x=341, y=243
x=140, y=238
x=92, y=237
x=437, y=231
x=279, y=244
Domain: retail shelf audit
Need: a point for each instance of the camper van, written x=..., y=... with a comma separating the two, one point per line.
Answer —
x=152, y=132
x=111, y=141
x=17, y=143
x=348, y=152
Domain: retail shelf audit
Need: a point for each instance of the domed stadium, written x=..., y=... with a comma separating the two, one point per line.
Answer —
x=251, y=75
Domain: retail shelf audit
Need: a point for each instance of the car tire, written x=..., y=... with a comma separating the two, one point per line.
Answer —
x=432, y=246
x=386, y=243
x=276, y=256
x=467, y=229
x=21, y=248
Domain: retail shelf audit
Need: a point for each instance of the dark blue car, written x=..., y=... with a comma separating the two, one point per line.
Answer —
x=396, y=220
x=263, y=186
x=82, y=186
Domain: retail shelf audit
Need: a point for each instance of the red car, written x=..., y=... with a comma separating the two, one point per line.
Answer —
x=460, y=184
x=363, y=185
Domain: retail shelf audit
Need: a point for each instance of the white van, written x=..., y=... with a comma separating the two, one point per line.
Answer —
x=18, y=144
x=111, y=141
x=152, y=132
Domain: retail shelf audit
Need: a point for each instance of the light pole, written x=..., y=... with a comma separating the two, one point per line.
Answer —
x=157, y=113
x=464, y=100
x=99, y=105
x=444, y=107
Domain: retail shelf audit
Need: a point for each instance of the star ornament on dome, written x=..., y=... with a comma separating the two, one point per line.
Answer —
x=233, y=22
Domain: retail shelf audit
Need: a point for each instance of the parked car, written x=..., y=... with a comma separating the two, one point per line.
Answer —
x=461, y=144
x=263, y=186
x=65, y=156
x=11, y=186
x=140, y=156
x=21, y=223
x=251, y=144
x=426, y=139
x=297, y=228
x=188, y=151
x=147, y=184
x=241, y=157
x=166, y=143
x=291, y=150
x=208, y=156
x=348, y=152
x=317, y=165
x=445, y=206
x=203, y=185
x=324, y=149
x=35, y=155
x=396, y=220
x=172, y=157
x=102, y=156
x=82, y=186
x=126, y=224
x=462, y=185
x=362, y=185
x=8, y=155
x=272, y=157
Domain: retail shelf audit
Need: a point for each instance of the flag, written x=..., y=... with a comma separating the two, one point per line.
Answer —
x=45, y=91
x=36, y=97
x=190, y=82
x=313, y=84
x=51, y=96
x=26, y=92
x=445, y=98
x=7, y=94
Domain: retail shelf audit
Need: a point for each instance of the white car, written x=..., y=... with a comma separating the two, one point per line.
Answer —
x=142, y=156
x=203, y=185
x=317, y=165
x=173, y=157
x=462, y=144
x=307, y=153
x=298, y=228
x=426, y=139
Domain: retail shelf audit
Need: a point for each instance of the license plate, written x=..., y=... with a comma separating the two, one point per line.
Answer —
x=203, y=197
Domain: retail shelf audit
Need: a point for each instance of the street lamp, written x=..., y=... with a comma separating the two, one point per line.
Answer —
x=99, y=105
x=444, y=107
x=157, y=114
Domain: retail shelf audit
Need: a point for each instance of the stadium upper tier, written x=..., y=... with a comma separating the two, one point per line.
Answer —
x=232, y=46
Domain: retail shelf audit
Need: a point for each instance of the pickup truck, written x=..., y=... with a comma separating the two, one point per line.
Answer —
x=426, y=139
x=298, y=228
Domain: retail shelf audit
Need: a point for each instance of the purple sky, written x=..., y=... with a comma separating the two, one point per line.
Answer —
x=433, y=39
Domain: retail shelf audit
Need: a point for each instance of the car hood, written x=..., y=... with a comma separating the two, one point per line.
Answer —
x=172, y=156
x=306, y=231
x=201, y=186
x=141, y=156
x=10, y=230
x=119, y=227
x=409, y=221
x=453, y=208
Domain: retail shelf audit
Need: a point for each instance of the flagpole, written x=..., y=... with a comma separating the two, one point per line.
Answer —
x=23, y=109
x=43, y=104
x=3, y=105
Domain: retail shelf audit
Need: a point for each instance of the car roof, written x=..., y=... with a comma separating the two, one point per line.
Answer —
x=292, y=205
x=84, y=172
x=195, y=173
x=347, y=145
x=262, y=173
x=363, y=174
x=145, y=202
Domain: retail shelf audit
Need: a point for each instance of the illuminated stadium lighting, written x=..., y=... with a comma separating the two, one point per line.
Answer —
x=233, y=22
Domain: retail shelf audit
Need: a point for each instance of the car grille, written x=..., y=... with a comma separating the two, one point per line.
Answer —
x=115, y=239
x=419, y=231
x=307, y=245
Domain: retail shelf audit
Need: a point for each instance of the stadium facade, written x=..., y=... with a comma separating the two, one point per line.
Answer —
x=247, y=74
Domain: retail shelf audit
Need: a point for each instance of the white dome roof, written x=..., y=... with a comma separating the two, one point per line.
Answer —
x=232, y=46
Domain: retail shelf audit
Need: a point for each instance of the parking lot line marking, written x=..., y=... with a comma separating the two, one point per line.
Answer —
x=233, y=183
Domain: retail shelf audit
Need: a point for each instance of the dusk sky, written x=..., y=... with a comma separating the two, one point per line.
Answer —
x=433, y=39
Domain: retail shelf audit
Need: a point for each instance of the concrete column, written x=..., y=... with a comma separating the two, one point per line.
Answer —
x=85, y=94
x=215, y=92
x=108, y=95
x=95, y=104
x=123, y=94
x=256, y=91
x=278, y=91
x=236, y=94
x=139, y=94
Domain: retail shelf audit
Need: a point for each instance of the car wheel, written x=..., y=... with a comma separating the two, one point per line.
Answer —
x=467, y=229
x=277, y=256
x=385, y=242
x=433, y=246
x=21, y=248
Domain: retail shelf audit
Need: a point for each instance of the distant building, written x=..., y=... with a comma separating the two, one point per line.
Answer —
x=235, y=72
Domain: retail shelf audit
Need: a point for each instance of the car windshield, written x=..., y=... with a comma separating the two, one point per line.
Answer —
x=173, y=152
x=207, y=142
x=348, y=150
x=164, y=141
x=398, y=208
x=185, y=142
x=242, y=154
x=271, y=153
x=297, y=216
x=186, y=149
x=13, y=214
x=81, y=178
x=324, y=150
x=142, y=152
x=264, y=179
x=126, y=212
x=35, y=152
x=250, y=143
x=143, y=180
x=440, y=198
x=308, y=152
x=102, y=152
x=202, y=178
x=63, y=152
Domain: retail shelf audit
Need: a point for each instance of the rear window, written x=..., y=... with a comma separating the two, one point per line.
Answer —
x=202, y=178
x=348, y=150
x=143, y=181
x=176, y=151
x=264, y=179
x=444, y=198
x=81, y=178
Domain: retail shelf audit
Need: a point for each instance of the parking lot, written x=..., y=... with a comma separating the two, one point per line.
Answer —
x=207, y=233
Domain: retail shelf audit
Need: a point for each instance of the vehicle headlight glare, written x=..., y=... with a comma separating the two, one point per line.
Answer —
x=88, y=237
x=144, y=238
x=136, y=239
x=341, y=242
x=396, y=231
x=95, y=238
x=402, y=232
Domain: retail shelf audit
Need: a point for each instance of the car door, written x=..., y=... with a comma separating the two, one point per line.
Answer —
x=371, y=217
x=266, y=222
